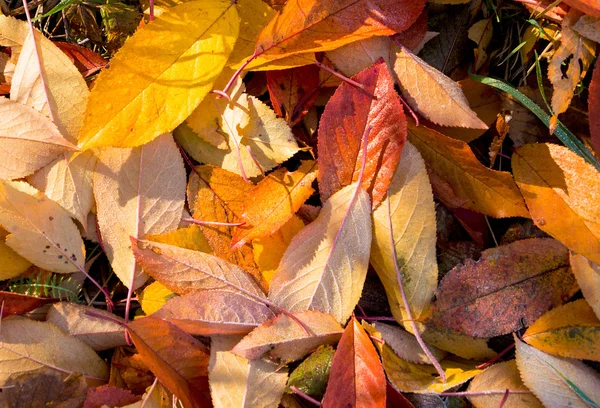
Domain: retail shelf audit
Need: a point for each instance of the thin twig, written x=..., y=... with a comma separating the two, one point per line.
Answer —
x=305, y=396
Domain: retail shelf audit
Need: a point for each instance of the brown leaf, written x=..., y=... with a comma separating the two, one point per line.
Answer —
x=356, y=378
x=349, y=113
x=108, y=395
x=517, y=281
x=591, y=7
x=15, y=303
x=87, y=61
x=293, y=91
x=594, y=109
x=178, y=360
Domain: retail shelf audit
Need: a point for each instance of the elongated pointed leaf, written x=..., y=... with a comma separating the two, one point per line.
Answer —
x=325, y=265
x=587, y=274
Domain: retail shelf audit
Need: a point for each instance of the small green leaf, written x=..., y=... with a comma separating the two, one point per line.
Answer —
x=312, y=374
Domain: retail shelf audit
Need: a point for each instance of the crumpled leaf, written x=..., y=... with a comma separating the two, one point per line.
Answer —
x=216, y=311
x=138, y=191
x=487, y=191
x=432, y=93
x=562, y=192
x=273, y=201
x=144, y=94
x=27, y=345
x=312, y=374
x=325, y=266
x=517, y=281
x=551, y=378
x=571, y=330
x=356, y=376
x=40, y=230
x=501, y=377
x=284, y=338
x=587, y=274
x=99, y=334
x=28, y=140
x=178, y=360
x=410, y=210
x=236, y=382
x=348, y=115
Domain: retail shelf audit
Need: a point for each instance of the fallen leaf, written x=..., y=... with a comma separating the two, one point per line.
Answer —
x=562, y=192
x=408, y=213
x=594, y=109
x=481, y=33
x=18, y=304
x=190, y=237
x=356, y=376
x=501, y=377
x=26, y=345
x=487, y=191
x=286, y=340
x=432, y=93
x=237, y=382
x=463, y=346
x=177, y=359
x=85, y=60
x=312, y=373
x=517, y=281
x=293, y=91
x=589, y=27
x=153, y=297
x=216, y=311
x=325, y=266
x=100, y=334
x=13, y=33
x=591, y=7
x=551, y=378
x=141, y=95
x=138, y=191
x=405, y=344
x=352, y=58
x=29, y=140
x=108, y=395
x=11, y=263
x=587, y=274
x=348, y=115
x=40, y=230
x=571, y=330
x=273, y=201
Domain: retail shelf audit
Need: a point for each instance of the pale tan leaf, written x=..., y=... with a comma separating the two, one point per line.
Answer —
x=325, y=266
x=68, y=181
x=433, y=94
x=285, y=339
x=352, y=58
x=501, y=377
x=410, y=210
x=589, y=27
x=26, y=345
x=28, y=140
x=99, y=334
x=236, y=382
x=406, y=346
x=587, y=274
x=40, y=230
x=12, y=34
x=547, y=376
x=247, y=123
x=138, y=191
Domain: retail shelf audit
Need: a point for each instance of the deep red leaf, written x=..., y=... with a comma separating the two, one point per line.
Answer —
x=87, y=61
x=293, y=91
x=15, y=303
x=594, y=109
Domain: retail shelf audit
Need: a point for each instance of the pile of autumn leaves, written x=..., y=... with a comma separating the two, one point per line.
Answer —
x=267, y=277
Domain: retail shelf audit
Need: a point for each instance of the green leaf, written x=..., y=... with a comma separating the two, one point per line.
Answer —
x=312, y=374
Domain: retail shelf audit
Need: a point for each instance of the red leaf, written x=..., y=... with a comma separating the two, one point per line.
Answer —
x=14, y=303
x=293, y=91
x=107, y=395
x=594, y=109
x=348, y=114
x=412, y=37
x=178, y=360
x=87, y=61
x=356, y=378
x=591, y=7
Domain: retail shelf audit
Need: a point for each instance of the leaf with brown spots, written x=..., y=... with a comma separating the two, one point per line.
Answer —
x=509, y=283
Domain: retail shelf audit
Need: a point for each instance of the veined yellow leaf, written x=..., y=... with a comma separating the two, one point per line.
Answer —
x=190, y=237
x=160, y=75
x=154, y=296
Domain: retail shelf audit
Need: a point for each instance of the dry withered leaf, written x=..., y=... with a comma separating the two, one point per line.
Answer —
x=594, y=109
x=293, y=91
x=17, y=304
x=517, y=281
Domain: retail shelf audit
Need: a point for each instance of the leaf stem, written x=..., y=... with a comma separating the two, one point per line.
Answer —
x=482, y=393
x=226, y=224
x=225, y=91
x=305, y=396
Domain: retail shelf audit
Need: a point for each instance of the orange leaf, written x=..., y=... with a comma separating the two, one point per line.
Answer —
x=562, y=192
x=591, y=7
x=178, y=360
x=348, y=114
x=356, y=378
x=293, y=91
x=274, y=201
x=487, y=191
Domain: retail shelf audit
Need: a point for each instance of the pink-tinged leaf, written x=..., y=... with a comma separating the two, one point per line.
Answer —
x=178, y=360
x=356, y=378
x=594, y=110
x=348, y=114
x=218, y=311
x=109, y=395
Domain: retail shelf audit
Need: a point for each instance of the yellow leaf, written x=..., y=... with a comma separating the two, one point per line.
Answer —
x=423, y=378
x=160, y=75
x=501, y=377
x=562, y=192
x=487, y=191
x=587, y=274
x=410, y=210
x=269, y=250
x=578, y=54
x=12, y=34
x=138, y=191
x=11, y=263
x=549, y=377
x=40, y=230
x=28, y=140
x=463, y=346
x=190, y=237
x=153, y=297
x=481, y=33
x=571, y=330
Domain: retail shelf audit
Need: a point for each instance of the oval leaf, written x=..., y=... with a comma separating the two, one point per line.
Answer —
x=587, y=274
